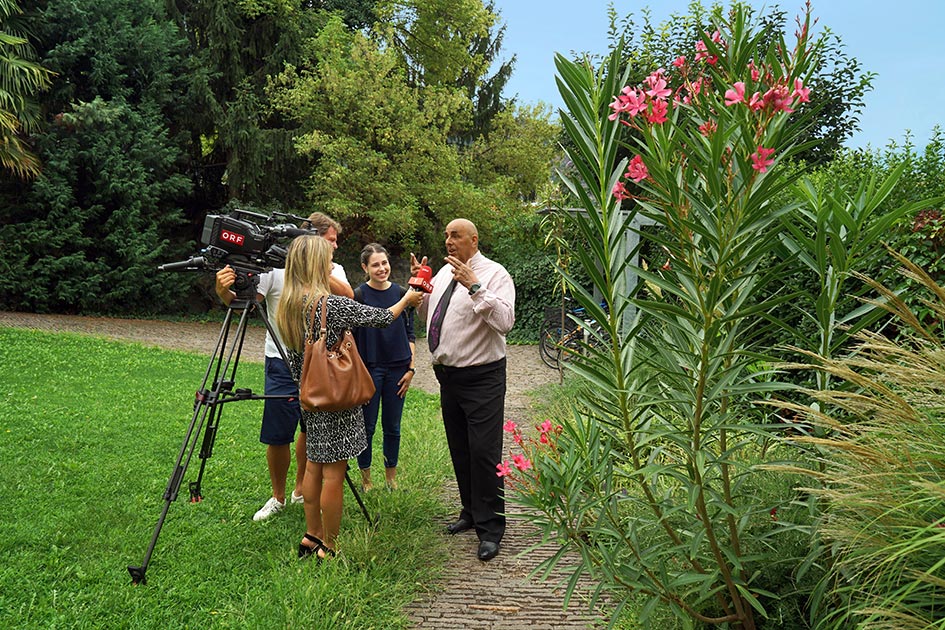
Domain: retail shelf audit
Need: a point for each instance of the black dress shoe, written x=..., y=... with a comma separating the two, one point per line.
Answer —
x=461, y=525
x=488, y=550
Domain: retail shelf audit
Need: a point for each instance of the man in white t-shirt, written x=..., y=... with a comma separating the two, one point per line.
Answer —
x=281, y=417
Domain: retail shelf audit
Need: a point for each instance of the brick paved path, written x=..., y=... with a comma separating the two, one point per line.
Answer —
x=499, y=594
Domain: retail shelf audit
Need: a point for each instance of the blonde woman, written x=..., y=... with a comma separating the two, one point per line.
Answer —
x=331, y=437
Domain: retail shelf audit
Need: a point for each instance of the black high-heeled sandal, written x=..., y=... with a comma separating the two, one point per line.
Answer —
x=306, y=551
x=329, y=552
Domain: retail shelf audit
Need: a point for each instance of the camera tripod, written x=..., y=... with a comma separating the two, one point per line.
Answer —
x=208, y=406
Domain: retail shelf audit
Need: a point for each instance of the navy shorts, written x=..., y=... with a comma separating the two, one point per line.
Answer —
x=281, y=417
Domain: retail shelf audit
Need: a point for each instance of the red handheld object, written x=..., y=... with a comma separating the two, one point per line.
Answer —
x=421, y=281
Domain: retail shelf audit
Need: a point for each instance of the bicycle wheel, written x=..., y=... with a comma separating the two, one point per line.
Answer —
x=570, y=346
x=548, y=342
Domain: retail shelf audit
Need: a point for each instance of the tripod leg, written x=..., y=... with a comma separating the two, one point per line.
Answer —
x=205, y=400
x=226, y=380
x=138, y=573
x=357, y=496
x=206, y=450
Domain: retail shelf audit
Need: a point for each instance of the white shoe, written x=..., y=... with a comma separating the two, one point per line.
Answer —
x=272, y=506
x=297, y=498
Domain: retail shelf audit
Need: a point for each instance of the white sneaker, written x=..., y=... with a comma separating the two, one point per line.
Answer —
x=297, y=498
x=272, y=506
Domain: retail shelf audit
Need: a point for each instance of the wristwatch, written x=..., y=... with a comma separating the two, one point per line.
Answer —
x=474, y=287
x=414, y=370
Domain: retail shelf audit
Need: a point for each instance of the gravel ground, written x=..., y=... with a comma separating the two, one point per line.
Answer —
x=525, y=369
x=473, y=594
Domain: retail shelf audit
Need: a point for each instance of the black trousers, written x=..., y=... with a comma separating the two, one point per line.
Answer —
x=472, y=400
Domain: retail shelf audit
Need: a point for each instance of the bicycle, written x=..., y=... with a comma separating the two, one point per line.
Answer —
x=557, y=343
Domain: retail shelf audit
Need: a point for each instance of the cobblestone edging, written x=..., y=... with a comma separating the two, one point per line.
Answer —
x=473, y=595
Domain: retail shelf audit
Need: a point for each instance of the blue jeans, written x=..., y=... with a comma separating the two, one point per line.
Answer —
x=392, y=409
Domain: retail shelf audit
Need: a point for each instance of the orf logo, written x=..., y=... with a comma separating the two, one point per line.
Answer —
x=232, y=237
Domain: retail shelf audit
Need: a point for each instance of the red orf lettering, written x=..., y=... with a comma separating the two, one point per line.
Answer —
x=232, y=237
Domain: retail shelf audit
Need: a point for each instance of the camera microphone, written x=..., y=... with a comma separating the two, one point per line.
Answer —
x=191, y=264
x=421, y=281
x=290, y=230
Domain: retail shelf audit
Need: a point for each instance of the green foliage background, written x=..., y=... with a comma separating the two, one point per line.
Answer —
x=163, y=112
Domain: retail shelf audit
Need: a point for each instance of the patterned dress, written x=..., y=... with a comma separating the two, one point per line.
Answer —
x=332, y=436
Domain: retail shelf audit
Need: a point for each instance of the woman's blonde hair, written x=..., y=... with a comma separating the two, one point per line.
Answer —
x=307, y=268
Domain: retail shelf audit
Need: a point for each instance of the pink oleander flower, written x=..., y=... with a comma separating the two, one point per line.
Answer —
x=689, y=91
x=521, y=462
x=702, y=51
x=630, y=101
x=618, y=107
x=517, y=437
x=636, y=102
x=779, y=98
x=510, y=426
x=658, y=86
x=503, y=469
x=657, y=114
x=756, y=102
x=801, y=93
x=545, y=426
x=761, y=159
x=736, y=94
x=707, y=128
x=680, y=61
x=620, y=191
x=636, y=169
x=543, y=438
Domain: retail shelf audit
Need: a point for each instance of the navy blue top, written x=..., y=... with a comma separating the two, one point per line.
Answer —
x=385, y=346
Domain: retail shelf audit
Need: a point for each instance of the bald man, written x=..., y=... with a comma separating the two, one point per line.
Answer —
x=473, y=300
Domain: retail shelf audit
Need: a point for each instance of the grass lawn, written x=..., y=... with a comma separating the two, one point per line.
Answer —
x=89, y=433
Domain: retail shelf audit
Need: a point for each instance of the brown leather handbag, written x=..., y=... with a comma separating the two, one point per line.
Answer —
x=332, y=379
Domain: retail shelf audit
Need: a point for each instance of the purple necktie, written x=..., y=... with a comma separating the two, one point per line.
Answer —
x=433, y=335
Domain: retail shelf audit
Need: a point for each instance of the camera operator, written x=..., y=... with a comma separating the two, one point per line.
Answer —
x=281, y=416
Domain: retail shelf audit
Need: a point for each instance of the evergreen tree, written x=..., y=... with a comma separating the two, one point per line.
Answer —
x=243, y=148
x=379, y=144
x=357, y=14
x=484, y=90
x=87, y=236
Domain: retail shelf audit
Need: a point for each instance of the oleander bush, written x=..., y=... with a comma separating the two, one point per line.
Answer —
x=660, y=474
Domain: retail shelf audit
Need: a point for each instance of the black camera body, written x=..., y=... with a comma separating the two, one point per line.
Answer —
x=247, y=241
x=233, y=240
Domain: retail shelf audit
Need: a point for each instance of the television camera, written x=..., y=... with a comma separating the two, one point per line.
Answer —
x=248, y=242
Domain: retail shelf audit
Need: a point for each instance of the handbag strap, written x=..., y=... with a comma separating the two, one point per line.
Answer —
x=323, y=304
